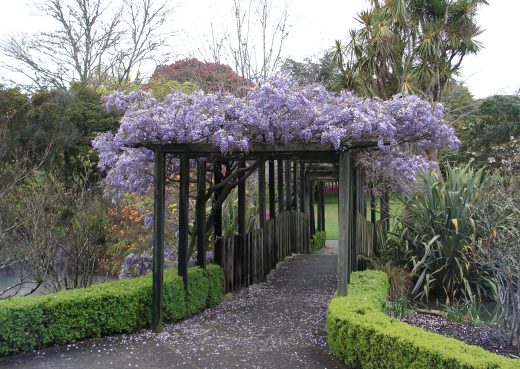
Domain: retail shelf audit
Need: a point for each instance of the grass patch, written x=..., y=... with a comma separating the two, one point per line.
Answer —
x=331, y=213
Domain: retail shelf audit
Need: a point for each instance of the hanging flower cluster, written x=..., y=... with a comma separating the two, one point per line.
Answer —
x=280, y=111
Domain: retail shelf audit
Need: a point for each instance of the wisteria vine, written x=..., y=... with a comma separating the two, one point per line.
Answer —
x=280, y=111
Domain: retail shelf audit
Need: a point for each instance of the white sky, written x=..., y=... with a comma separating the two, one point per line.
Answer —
x=315, y=27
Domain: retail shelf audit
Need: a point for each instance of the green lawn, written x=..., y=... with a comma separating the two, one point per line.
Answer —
x=331, y=213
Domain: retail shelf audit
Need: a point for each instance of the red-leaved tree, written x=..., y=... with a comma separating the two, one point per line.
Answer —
x=211, y=77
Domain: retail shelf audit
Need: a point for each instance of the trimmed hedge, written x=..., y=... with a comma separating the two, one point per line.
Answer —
x=318, y=241
x=361, y=335
x=115, y=307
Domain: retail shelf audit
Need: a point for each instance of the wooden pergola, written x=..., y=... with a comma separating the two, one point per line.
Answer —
x=308, y=162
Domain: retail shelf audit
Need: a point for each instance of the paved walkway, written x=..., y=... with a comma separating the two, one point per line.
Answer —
x=279, y=324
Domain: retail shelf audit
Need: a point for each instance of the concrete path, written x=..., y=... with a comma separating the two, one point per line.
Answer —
x=279, y=324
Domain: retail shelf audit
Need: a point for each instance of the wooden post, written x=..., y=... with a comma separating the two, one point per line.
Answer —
x=288, y=201
x=280, y=185
x=373, y=205
x=307, y=204
x=353, y=212
x=183, y=207
x=241, y=213
x=312, y=220
x=322, y=190
x=241, y=221
x=200, y=213
x=261, y=193
x=344, y=221
x=158, y=242
x=272, y=198
x=321, y=207
x=296, y=189
x=217, y=220
x=302, y=187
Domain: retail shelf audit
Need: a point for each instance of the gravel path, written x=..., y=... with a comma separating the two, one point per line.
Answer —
x=278, y=324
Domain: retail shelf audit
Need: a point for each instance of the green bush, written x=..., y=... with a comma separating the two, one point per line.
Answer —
x=318, y=241
x=440, y=236
x=108, y=308
x=215, y=276
x=361, y=335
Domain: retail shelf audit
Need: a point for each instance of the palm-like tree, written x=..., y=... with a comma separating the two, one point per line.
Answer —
x=414, y=46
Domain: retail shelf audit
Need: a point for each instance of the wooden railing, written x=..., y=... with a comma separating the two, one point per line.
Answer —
x=247, y=259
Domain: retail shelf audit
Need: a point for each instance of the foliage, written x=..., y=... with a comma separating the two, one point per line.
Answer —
x=499, y=214
x=441, y=239
x=493, y=133
x=462, y=311
x=278, y=112
x=362, y=336
x=399, y=307
x=317, y=242
x=210, y=77
x=160, y=87
x=215, y=276
x=60, y=234
x=230, y=214
x=408, y=46
x=103, y=309
x=311, y=71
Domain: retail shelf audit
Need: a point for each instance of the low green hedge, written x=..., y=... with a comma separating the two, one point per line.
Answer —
x=318, y=241
x=115, y=307
x=361, y=335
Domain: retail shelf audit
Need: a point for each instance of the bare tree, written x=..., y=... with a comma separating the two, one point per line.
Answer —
x=93, y=40
x=257, y=44
x=253, y=45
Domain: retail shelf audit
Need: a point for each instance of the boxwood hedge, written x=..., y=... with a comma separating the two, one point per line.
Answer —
x=361, y=335
x=115, y=307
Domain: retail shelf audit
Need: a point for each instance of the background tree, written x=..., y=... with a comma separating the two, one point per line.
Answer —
x=494, y=132
x=408, y=46
x=310, y=70
x=210, y=77
x=253, y=46
x=92, y=39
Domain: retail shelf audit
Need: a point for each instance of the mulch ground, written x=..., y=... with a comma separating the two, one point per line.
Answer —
x=488, y=336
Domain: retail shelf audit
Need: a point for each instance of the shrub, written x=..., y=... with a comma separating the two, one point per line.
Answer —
x=109, y=308
x=215, y=276
x=317, y=242
x=361, y=335
x=441, y=238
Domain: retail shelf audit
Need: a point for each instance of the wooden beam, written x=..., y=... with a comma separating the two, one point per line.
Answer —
x=258, y=148
x=183, y=219
x=158, y=242
x=344, y=221
x=200, y=214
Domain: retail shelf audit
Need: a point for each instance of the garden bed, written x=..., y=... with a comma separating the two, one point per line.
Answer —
x=488, y=336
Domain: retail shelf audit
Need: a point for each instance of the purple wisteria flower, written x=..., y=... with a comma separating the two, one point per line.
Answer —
x=280, y=111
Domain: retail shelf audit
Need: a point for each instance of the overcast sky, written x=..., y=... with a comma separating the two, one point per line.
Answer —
x=315, y=27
